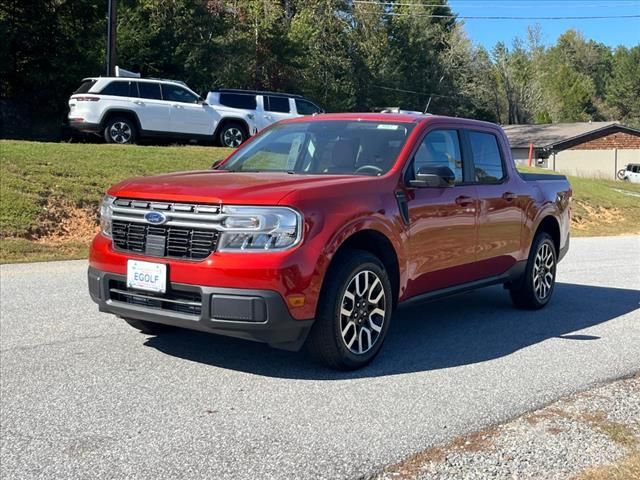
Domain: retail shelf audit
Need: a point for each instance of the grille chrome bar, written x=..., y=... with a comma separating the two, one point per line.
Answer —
x=178, y=214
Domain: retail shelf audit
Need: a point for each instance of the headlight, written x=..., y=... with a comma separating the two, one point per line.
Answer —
x=105, y=214
x=259, y=228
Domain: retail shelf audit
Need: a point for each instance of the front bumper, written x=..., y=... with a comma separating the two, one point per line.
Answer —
x=258, y=315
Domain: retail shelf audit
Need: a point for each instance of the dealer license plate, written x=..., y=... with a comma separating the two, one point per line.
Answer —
x=147, y=276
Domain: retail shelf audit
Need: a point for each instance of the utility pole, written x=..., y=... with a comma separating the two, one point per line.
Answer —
x=111, y=37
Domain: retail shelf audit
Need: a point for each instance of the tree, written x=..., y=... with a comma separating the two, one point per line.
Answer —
x=623, y=90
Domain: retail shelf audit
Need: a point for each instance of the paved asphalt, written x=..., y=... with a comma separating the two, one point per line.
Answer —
x=83, y=395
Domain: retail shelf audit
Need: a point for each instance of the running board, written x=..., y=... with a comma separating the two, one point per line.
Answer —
x=513, y=273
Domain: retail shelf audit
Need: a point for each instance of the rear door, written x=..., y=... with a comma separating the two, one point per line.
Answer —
x=442, y=220
x=500, y=208
x=275, y=108
x=187, y=114
x=152, y=110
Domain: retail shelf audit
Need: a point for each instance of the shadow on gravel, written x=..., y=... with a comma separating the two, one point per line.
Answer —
x=460, y=330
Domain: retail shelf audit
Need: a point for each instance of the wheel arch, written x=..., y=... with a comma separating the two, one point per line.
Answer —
x=118, y=112
x=227, y=120
x=379, y=245
x=550, y=225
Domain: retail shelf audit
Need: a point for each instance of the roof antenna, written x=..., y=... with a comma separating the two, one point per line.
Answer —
x=426, y=109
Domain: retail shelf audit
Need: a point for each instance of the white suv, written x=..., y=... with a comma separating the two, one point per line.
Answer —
x=124, y=109
x=265, y=107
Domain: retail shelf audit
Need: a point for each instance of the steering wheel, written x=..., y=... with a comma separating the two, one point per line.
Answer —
x=369, y=168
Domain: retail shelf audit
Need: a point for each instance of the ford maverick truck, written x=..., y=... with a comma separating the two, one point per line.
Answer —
x=316, y=229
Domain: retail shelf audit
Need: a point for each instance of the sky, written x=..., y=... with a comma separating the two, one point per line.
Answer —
x=612, y=32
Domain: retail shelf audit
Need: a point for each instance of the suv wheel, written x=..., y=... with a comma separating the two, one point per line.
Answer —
x=354, y=312
x=120, y=130
x=150, y=328
x=534, y=289
x=232, y=135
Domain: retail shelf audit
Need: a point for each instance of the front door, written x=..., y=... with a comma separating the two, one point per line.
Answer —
x=442, y=220
x=188, y=115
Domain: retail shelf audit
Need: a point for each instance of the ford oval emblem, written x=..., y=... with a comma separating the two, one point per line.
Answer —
x=157, y=218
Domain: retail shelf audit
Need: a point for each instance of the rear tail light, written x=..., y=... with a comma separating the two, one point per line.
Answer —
x=87, y=99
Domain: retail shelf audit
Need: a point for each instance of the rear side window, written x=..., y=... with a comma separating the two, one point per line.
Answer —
x=238, y=100
x=121, y=88
x=149, y=90
x=306, y=108
x=486, y=157
x=85, y=86
x=276, y=104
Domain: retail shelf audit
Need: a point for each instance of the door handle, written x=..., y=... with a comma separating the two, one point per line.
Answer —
x=138, y=102
x=178, y=106
x=509, y=196
x=464, y=201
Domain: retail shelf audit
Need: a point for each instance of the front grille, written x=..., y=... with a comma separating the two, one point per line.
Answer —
x=188, y=303
x=163, y=241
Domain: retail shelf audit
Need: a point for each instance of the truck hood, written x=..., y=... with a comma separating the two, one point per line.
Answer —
x=219, y=186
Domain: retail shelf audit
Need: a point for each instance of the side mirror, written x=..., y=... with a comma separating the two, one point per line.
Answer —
x=440, y=176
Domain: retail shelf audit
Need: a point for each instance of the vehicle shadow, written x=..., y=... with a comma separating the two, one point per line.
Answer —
x=460, y=330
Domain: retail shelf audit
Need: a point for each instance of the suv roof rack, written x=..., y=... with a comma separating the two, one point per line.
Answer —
x=255, y=92
x=165, y=80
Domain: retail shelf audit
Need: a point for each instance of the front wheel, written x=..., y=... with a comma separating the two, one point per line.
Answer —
x=232, y=135
x=534, y=289
x=354, y=312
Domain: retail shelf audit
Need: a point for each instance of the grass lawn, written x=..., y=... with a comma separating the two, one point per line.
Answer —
x=49, y=194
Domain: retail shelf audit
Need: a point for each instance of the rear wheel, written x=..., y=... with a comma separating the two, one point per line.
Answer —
x=120, y=130
x=354, y=312
x=150, y=328
x=232, y=135
x=534, y=289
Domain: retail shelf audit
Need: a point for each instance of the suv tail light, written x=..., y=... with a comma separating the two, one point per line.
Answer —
x=87, y=99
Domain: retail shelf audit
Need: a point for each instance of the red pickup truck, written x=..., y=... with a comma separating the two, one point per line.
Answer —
x=316, y=229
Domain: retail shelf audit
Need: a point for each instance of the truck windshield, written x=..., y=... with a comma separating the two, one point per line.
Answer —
x=324, y=147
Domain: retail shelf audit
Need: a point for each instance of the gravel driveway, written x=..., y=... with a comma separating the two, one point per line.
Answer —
x=85, y=396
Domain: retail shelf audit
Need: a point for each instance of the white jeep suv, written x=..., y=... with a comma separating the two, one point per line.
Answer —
x=124, y=109
x=265, y=107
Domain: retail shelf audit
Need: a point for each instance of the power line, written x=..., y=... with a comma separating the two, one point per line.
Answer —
x=484, y=4
x=502, y=17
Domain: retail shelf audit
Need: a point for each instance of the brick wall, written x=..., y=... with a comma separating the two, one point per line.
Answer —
x=620, y=140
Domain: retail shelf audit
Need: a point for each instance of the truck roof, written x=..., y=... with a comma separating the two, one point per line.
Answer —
x=392, y=117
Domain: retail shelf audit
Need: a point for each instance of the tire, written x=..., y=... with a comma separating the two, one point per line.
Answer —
x=149, y=328
x=120, y=130
x=232, y=135
x=620, y=174
x=534, y=289
x=356, y=283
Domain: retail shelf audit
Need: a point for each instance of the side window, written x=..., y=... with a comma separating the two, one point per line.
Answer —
x=440, y=148
x=306, y=108
x=174, y=93
x=636, y=168
x=235, y=100
x=120, y=88
x=486, y=157
x=149, y=90
x=277, y=104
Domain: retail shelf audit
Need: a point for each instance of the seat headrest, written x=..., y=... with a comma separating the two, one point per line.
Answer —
x=343, y=153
